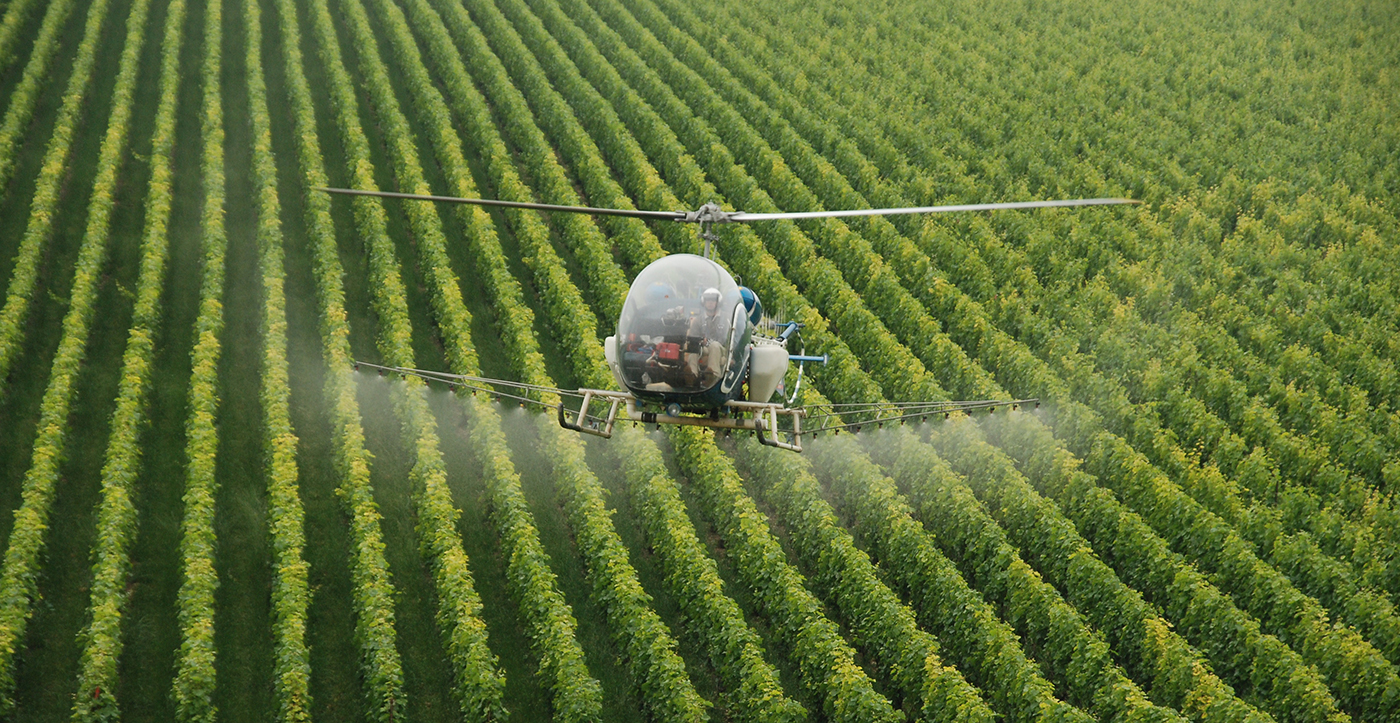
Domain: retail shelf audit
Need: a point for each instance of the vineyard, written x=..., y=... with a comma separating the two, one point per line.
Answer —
x=208, y=514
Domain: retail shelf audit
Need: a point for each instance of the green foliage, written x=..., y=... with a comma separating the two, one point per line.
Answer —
x=879, y=622
x=291, y=595
x=19, y=577
x=194, y=677
x=826, y=662
x=1150, y=651
x=116, y=517
x=16, y=14
x=1258, y=665
x=26, y=94
x=373, y=590
x=49, y=186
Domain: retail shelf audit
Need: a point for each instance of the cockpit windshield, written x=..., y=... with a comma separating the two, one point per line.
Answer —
x=678, y=326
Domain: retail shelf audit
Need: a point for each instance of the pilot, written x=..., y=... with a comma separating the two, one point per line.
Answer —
x=709, y=328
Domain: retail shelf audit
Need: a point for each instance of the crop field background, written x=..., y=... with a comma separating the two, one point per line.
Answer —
x=206, y=513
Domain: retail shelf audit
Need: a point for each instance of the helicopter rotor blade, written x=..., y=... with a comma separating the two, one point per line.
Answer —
x=657, y=215
x=711, y=213
x=745, y=216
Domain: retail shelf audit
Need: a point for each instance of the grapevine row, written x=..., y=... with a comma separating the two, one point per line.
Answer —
x=768, y=126
x=987, y=648
x=986, y=548
x=15, y=14
x=1350, y=658
x=49, y=186
x=910, y=670
x=194, y=684
x=865, y=174
x=665, y=688
x=19, y=576
x=26, y=94
x=1246, y=577
x=373, y=590
x=291, y=595
x=733, y=648
x=478, y=684
x=116, y=517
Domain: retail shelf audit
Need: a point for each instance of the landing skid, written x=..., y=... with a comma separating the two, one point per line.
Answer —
x=763, y=420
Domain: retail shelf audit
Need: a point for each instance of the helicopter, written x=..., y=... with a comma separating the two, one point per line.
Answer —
x=693, y=347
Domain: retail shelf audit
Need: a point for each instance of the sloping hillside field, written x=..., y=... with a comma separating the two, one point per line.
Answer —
x=208, y=514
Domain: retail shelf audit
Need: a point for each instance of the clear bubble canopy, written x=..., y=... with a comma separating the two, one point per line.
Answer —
x=683, y=327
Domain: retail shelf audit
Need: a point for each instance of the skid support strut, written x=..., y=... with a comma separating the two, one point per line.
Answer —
x=601, y=426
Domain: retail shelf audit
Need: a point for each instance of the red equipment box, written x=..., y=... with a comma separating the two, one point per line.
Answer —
x=668, y=351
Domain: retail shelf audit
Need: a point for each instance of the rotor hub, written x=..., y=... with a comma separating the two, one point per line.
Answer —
x=708, y=214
